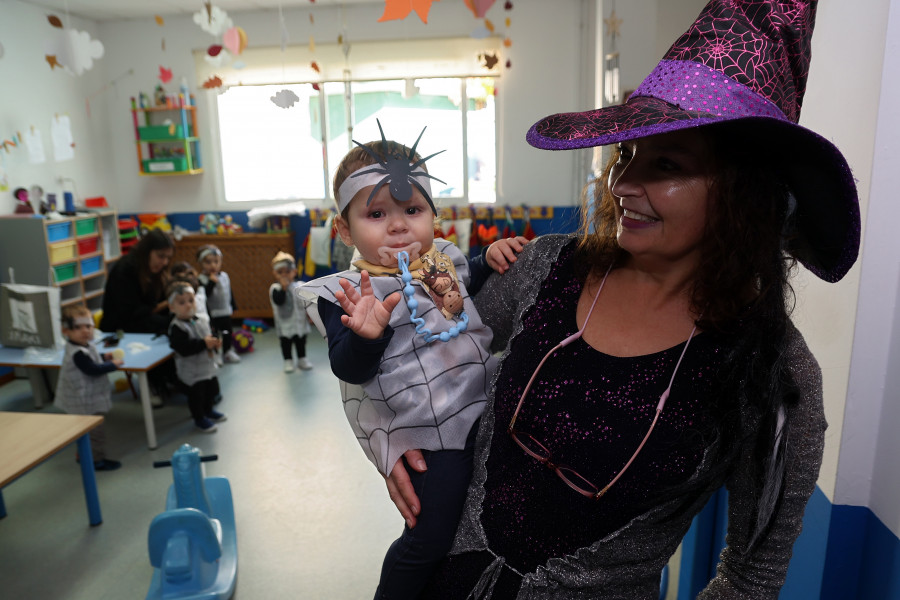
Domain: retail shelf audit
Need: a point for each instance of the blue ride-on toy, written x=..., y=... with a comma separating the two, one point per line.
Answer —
x=193, y=544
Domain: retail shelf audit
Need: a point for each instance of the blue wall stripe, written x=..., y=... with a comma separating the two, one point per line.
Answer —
x=804, y=577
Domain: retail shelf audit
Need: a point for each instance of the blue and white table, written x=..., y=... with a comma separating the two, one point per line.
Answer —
x=143, y=351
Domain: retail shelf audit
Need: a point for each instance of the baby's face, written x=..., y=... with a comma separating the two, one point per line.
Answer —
x=182, y=305
x=80, y=333
x=385, y=226
x=211, y=264
x=285, y=272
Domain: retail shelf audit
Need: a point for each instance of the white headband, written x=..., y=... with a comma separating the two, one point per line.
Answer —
x=179, y=290
x=284, y=263
x=82, y=321
x=206, y=252
x=356, y=182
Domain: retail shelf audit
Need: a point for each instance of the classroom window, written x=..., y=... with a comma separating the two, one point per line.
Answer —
x=271, y=153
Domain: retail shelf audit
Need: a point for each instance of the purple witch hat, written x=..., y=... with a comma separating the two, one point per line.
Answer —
x=743, y=62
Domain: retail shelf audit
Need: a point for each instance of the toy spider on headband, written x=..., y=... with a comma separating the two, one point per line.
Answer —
x=399, y=171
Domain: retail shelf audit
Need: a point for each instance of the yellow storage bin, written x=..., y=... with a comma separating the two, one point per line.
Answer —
x=63, y=251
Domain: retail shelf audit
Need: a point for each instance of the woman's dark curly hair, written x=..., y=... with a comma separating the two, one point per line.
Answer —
x=154, y=239
x=741, y=292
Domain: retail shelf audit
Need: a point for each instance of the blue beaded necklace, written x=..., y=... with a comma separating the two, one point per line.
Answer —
x=413, y=304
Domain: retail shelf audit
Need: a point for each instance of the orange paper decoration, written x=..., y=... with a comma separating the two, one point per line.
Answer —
x=397, y=10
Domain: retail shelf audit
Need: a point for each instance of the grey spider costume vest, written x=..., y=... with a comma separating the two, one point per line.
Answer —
x=76, y=391
x=425, y=396
x=196, y=367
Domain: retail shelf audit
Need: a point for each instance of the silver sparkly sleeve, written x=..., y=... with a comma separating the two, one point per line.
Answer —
x=760, y=572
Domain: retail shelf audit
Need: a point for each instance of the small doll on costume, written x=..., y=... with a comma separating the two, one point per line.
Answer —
x=219, y=300
x=83, y=387
x=407, y=343
x=194, y=345
x=289, y=312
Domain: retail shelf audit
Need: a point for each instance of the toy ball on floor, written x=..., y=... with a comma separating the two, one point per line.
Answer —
x=243, y=341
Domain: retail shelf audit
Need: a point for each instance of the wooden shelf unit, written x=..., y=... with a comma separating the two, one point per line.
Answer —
x=247, y=258
x=71, y=253
x=167, y=148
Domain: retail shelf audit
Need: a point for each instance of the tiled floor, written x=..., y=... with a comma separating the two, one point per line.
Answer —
x=313, y=516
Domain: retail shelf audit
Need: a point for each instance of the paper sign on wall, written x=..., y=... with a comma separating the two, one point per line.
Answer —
x=35, y=146
x=61, y=134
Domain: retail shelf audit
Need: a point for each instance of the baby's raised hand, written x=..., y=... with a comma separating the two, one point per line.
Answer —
x=366, y=316
x=503, y=252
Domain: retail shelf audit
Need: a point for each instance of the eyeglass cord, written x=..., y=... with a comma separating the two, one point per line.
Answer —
x=662, y=398
x=413, y=304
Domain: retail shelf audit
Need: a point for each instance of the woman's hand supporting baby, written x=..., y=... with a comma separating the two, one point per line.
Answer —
x=366, y=316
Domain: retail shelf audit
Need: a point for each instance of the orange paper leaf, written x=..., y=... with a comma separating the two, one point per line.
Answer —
x=51, y=60
x=315, y=66
x=159, y=20
x=397, y=10
x=507, y=42
x=212, y=82
x=54, y=20
x=489, y=25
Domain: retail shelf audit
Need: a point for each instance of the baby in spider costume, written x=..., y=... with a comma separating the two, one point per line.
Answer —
x=406, y=342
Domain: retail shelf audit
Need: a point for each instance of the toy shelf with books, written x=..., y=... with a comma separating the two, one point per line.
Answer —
x=166, y=136
x=70, y=253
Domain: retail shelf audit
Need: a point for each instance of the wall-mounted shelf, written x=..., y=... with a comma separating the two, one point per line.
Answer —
x=166, y=138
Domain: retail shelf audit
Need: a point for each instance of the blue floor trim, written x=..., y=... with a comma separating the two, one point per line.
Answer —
x=863, y=559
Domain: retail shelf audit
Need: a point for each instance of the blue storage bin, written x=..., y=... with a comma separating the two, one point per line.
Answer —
x=89, y=266
x=59, y=231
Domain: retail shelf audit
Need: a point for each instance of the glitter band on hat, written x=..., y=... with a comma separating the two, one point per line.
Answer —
x=743, y=64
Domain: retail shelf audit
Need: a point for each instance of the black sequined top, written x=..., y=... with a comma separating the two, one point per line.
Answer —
x=592, y=423
x=524, y=534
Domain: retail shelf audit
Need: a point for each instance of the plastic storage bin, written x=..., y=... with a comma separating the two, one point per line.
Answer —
x=162, y=132
x=86, y=226
x=64, y=273
x=62, y=251
x=165, y=165
x=90, y=266
x=59, y=231
x=88, y=246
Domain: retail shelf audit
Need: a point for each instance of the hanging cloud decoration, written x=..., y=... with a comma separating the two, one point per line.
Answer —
x=213, y=20
x=284, y=98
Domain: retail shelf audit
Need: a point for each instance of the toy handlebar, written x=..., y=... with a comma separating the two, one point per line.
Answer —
x=168, y=463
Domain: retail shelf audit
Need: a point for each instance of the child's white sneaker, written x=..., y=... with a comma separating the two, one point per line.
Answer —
x=304, y=364
x=288, y=366
x=231, y=357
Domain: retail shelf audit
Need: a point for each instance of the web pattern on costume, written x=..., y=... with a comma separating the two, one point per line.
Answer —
x=425, y=395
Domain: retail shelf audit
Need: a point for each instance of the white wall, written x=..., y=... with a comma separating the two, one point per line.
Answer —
x=31, y=95
x=868, y=474
x=842, y=103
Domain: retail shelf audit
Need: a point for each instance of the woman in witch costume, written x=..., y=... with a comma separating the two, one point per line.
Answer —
x=679, y=370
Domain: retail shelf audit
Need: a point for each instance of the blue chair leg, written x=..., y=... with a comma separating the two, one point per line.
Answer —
x=664, y=583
